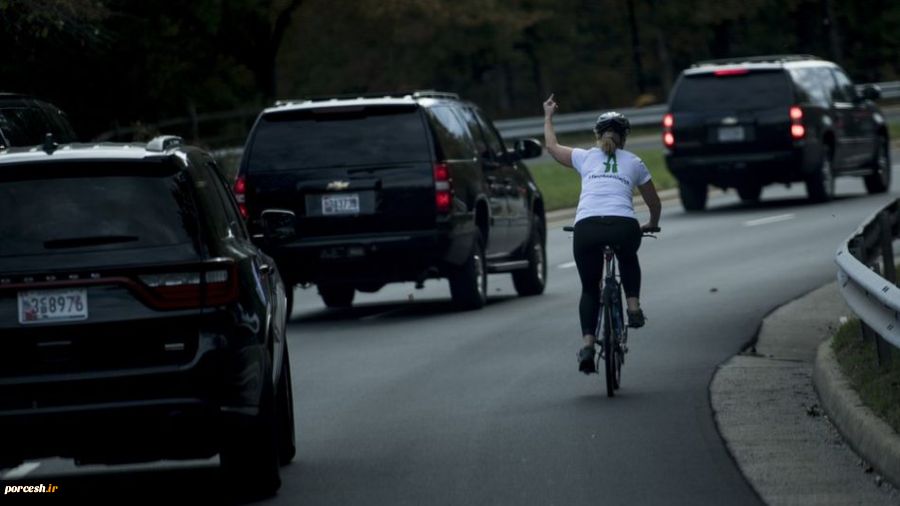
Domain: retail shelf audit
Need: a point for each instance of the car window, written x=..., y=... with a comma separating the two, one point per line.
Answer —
x=23, y=126
x=845, y=86
x=453, y=136
x=226, y=198
x=481, y=144
x=79, y=207
x=829, y=85
x=753, y=90
x=490, y=134
x=338, y=137
x=810, y=86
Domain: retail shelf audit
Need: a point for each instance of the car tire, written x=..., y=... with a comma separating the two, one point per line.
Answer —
x=820, y=184
x=532, y=280
x=880, y=180
x=468, y=282
x=249, y=453
x=693, y=196
x=284, y=410
x=750, y=192
x=337, y=296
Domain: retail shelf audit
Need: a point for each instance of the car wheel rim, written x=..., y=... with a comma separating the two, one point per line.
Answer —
x=539, y=262
x=883, y=163
x=480, y=277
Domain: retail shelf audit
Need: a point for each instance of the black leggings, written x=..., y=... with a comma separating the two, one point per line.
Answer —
x=591, y=235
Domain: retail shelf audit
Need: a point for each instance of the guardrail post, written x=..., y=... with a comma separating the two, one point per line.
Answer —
x=888, y=272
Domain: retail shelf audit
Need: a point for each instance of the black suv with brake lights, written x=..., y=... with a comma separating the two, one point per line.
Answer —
x=748, y=122
x=353, y=193
x=138, y=320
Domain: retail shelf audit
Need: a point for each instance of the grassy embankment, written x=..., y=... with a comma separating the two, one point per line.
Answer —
x=879, y=388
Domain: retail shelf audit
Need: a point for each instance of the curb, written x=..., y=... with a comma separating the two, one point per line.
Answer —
x=872, y=438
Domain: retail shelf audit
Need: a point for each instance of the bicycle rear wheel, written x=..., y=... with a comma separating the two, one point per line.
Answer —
x=608, y=345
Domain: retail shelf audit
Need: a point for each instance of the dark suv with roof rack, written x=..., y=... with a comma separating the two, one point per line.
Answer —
x=26, y=121
x=745, y=123
x=138, y=320
x=358, y=192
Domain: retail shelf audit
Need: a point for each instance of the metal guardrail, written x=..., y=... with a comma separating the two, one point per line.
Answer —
x=874, y=297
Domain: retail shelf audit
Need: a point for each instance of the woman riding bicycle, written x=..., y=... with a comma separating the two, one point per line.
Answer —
x=605, y=217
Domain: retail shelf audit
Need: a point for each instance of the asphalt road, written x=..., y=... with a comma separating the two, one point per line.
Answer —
x=402, y=400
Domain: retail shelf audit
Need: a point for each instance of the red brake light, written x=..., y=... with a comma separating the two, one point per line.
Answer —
x=205, y=285
x=731, y=72
x=668, y=120
x=798, y=131
x=668, y=139
x=668, y=136
x=240, y=195
x=442, y=192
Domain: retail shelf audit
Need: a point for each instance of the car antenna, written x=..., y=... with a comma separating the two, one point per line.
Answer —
x=49, y=144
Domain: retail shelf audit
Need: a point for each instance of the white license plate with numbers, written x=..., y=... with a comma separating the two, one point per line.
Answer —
x=46, y=306
x=731, y=134
x=340, y=204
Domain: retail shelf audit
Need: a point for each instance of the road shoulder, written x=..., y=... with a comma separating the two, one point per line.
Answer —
x=768, y=413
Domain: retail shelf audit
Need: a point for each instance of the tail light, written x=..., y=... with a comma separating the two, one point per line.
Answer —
x=798, y=131
x=442, y=192
x=211, y=283
x=668, y=136
x=731, y=72
x=240, y=195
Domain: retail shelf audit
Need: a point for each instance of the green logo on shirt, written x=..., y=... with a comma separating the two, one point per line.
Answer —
x=611, y=165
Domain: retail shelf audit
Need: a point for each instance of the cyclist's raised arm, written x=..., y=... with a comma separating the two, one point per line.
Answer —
x=651, y=198
x=560, y=153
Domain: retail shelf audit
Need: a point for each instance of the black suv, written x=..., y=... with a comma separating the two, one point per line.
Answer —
x=360, y=192
x=26, y=121
x=138, y=320
x=745, y=123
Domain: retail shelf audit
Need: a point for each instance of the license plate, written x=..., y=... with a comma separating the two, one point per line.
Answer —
x=731, y=134
x=45, y=306
x=340, y=204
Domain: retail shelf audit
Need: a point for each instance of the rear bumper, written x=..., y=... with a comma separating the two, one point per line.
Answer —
x=132, y=415
x=730, y=170
x=373, y=259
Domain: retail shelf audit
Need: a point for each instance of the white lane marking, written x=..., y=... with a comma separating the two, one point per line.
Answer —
x=22, y=470
x=567, y=265
x=770, y=219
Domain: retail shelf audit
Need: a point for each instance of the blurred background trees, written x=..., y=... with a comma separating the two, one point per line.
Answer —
x=123, y=63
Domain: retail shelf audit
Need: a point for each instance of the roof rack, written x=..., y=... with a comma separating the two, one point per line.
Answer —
x=774, y=58
x=164, y=143
x=372, y=94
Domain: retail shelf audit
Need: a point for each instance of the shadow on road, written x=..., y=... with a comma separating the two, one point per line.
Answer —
x=390, y=310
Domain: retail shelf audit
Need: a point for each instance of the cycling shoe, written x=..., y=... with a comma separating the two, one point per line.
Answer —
x=636, y=319
x=586, y=360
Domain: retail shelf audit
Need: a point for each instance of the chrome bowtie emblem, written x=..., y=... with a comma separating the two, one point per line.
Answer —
x=338, y=185
x=729, y=120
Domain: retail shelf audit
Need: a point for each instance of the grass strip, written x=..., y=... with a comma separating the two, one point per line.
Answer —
x=878, y=387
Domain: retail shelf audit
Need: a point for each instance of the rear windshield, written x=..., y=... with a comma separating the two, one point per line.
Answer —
x=755, y=90
x=338, y=137
x=45, y=209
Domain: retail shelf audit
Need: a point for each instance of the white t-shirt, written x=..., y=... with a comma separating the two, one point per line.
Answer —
x=607, y=182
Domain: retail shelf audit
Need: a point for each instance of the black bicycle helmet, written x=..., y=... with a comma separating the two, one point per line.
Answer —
x=615, y=121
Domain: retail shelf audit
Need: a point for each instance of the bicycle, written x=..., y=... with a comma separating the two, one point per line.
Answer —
x=611, y=320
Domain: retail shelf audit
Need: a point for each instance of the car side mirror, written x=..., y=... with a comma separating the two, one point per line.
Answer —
x=279, y=225
x=871, y=92
x=528, y=148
